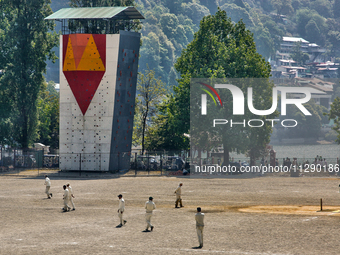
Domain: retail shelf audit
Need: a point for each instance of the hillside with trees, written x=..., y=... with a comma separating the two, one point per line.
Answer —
x=169, y=26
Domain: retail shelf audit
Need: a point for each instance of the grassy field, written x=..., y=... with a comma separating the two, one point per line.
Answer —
x=262, y=215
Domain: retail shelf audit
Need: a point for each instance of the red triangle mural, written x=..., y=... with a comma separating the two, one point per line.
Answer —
x=84, y=64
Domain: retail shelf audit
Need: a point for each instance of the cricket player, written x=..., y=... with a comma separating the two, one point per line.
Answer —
x=121, y=210
x=178, y=193
x=71, y=196
x=66, y=199
x=149, y=207
x=48, y=186
x=199, y=217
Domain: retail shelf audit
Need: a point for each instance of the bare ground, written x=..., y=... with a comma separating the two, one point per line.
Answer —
x=262, y=215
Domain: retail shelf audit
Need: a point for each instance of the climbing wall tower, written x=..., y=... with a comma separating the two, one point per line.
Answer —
x=98, y=76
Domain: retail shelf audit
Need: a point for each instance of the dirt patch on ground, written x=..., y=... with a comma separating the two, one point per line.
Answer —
x=293, y=209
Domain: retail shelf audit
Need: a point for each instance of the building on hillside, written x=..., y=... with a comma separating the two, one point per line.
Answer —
x=284, y=66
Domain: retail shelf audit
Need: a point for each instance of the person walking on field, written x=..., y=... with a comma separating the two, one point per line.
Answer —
x=178, y=193
x=121, y=210
x=149, y=207
x=199, y=217
x=71, y=196
x=48, y=186
x=66, y=199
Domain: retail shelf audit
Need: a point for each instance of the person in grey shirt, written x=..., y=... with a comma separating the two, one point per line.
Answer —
x=199, y=217
x=149, y=207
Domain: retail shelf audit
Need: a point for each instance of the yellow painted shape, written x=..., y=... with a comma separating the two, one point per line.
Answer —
x=69, y=63
x=91, y=60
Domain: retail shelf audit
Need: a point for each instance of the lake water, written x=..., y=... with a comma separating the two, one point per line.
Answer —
x=303, y=151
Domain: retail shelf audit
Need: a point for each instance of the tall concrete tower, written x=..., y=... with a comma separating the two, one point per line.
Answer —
x=98, y=76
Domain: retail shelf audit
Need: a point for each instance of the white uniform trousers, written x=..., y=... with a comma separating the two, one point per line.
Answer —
x=66, y=205
x=200, y=234
x=148, y=220
x=47, y=191
x=120, y=215
x=71, y=200
x=178, y=200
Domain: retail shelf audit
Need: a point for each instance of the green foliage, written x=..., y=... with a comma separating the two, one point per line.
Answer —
x=48, y=115
x=173, y=121
x=194, y=11
x=264, y=41
x=323, y=7
x=297, y=54
x=151, y=91
x=311, y=26
x=336, y=8
x=237, y=13
x=308, y=126
x=221, y=45
x=27, y=44
x=219, y=49
x=282, y=7
x=331, y=136
x=334, y=114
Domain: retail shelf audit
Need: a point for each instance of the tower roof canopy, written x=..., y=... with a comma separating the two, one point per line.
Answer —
x=126, y=12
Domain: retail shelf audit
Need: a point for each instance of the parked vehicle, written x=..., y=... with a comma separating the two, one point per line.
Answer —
x=147, y=162
x=174, y=163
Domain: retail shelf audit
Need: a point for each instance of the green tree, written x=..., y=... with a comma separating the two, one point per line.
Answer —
x=195, y=11
x=48, y=116
x=323, y=7
x=28, y=44
x=303, y=17
x=219, y=49
x=264, y=41
x=298, y=55
x=334, y=114
x=336, y=8
x=237, y=13
x=313, y=33
x=275, y=32
x=172, y=122
x=308, y=126
x=5, y=114
x=151, y=91
x=283, y=7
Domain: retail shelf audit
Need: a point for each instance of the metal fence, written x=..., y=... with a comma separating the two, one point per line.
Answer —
x=148, y=163
x=158, y=162
x=13, y=158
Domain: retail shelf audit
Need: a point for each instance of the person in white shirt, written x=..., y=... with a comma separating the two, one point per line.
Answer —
x=48, y=186
x=199, y=217
x=121, y=210
x=71, y=196
x=149, y=207
x=66, y=199
x=178, y=193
